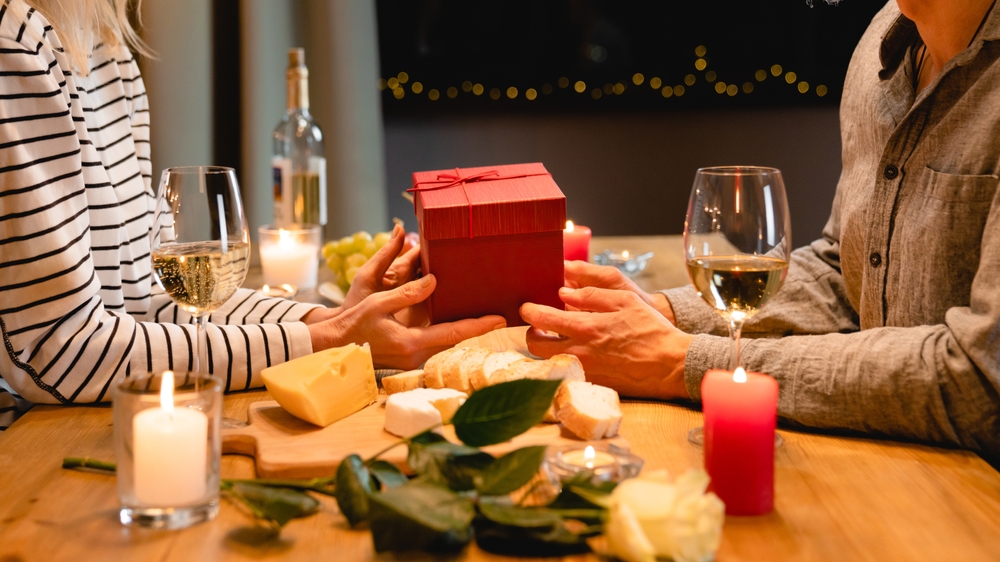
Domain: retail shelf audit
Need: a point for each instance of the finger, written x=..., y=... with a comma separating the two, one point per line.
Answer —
x=451, y=333
x=403, y=269
x=582, y=274
x=392, y=301
x=594, y=299
x=562, y=322
x=545, y=345
x=374, y=269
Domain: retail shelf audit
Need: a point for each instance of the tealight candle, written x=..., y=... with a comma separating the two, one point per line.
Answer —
x=290, y=256
x=576, y=242
x=740, y=415
x=171, y=452
x=588, y=458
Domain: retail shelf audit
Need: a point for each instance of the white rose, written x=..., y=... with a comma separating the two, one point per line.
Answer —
x=678, y=520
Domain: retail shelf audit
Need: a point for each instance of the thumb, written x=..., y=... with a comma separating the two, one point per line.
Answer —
x=414, y=292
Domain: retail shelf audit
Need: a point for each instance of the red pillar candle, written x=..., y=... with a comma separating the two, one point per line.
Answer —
x=740, y=414
x=576, y=242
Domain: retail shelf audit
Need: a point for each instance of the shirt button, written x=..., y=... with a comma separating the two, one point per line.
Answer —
x=890, y=172
x=875, y=259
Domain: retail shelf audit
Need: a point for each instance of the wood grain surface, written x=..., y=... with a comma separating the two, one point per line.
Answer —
x=287, y=447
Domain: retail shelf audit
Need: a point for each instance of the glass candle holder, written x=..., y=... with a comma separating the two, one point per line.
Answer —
x=168, y=448
x=604, y=462
x=289, y=255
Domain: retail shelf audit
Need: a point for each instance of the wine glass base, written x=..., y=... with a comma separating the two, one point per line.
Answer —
x=696, y=437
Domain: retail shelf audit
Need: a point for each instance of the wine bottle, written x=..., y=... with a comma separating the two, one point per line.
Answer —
x=298, y=166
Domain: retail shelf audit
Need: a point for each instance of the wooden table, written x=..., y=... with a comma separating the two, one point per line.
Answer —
x=837, y=498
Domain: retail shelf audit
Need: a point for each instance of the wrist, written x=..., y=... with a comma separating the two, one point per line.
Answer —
x=672, y=384
x=320, y=314
x=661, y=303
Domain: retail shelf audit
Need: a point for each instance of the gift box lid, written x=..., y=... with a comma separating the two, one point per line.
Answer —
x=487, y=201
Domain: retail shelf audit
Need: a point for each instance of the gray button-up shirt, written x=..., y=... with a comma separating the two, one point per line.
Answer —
x=895, y=313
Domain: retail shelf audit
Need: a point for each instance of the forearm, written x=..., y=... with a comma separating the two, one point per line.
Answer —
x=913, y=383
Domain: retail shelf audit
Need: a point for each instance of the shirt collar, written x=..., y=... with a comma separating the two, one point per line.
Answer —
x=902, y=33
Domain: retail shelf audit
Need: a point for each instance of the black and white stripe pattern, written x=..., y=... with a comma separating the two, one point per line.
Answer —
x=78, y=309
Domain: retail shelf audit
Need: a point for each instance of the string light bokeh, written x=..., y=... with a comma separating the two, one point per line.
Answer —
x=668, y=87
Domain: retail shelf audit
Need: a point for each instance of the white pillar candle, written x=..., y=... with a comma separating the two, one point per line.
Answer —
x=289, y=262
x=171, y=452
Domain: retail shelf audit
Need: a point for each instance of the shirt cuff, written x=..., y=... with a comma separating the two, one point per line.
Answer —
x=296, y=313
x=706, y=352
x=691, y=313
x=299, y=338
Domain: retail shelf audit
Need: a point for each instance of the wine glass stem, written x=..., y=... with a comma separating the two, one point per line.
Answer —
x=201, y=355
x=735, y=328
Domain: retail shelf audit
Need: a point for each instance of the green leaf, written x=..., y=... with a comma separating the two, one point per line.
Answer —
x=522, y=541
x=501, y=412
x=420, y=516
x=511, y=471
x=527, y=517
x=455, y=466
x=354, y=485
x=387, y=474
x=277, y=505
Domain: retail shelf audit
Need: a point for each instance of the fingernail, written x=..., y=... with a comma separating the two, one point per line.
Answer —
x=500, y=325
x=566, y=290
x=426, y=280
x=395, y=232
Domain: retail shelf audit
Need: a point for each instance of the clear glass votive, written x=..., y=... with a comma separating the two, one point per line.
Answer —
x=168, y=448
x=605, y=462
x=289, y=255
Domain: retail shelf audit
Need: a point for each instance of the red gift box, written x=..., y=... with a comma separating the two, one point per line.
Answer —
x=493, y=237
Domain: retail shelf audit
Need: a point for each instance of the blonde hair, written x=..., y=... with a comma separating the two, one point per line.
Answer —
x=82, y=24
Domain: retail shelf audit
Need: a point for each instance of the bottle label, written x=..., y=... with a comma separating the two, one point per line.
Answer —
x=281, y=169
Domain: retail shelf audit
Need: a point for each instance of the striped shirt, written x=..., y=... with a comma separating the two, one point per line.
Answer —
x=78, y=308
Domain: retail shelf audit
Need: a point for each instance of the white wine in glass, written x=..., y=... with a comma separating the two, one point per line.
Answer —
x=200, y=243
x=737, y=243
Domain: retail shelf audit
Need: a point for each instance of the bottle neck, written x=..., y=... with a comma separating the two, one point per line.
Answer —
x=297, y=87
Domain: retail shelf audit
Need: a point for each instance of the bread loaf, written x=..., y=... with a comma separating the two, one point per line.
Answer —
x=589, y=411
x=480, y=377
x=559, y=367
x=435, y=366
x=402, y=382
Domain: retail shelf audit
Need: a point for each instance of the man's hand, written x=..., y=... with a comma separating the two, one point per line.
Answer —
x=581, y=274
x=622, y=341
x=393, y=344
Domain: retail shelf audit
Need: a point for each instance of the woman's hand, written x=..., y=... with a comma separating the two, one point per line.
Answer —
x=387, y=269
x=581, y=274
x=393, y=344
x=622, y=341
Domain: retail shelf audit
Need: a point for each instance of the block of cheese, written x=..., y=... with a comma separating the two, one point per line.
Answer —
x=415, y=411
x=403, y=381
x=326, y=386
x=588, y=410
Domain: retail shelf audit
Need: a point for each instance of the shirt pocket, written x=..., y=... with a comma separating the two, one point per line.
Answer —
x=961, y=188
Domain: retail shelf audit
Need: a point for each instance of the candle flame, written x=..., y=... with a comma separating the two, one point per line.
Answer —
x=265, y=289
x=625, y=254
x=284, y=237
x=288, y=288
x=167, y=392
x=588, y=457
x=569, y=226
x=739, y=375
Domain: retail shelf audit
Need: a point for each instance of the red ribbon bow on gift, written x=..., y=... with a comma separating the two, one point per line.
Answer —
x=448, y=180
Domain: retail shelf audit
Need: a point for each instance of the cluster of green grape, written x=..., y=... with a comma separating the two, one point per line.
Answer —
x=346, y=255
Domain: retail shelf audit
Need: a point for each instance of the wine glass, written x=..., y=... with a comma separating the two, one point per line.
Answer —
x=200, y=244
x=737, y=243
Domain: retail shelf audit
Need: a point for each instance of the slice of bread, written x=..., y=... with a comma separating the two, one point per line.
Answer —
x=401, y=382
x=435, y=367
x=481, y=375
x=462, y=367
x=589, y=411
x=559, y=367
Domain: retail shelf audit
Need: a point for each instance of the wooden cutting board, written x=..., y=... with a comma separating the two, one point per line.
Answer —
x=287, y=447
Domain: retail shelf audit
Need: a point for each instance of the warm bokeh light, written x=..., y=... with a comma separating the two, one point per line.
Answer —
x=563, y=82
x=791, y=77
x=595, y=93
x=512, y=92
x=417, y=87
x=608, y=88
x=700, y=64
x=700, y=51
x=747, y=87
x=720, y=87
x=655, y=83
x=710, y=76
x=433, y=95
x=619, y=88
x=452, y=92
x=398, y=92
x=392, y=83
x=667, y=92
x=760, y=75
x=402, y=77
x=732, y=90
x=531, y=94
x=638, y=79
x=580, y=86
x=494, y=94
x=821, y=90
x=467, y=86
x=776, y=70
x=547, y=89
x=690, y=79
x=803, y=87
x=678, y=90
x=477, y=89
